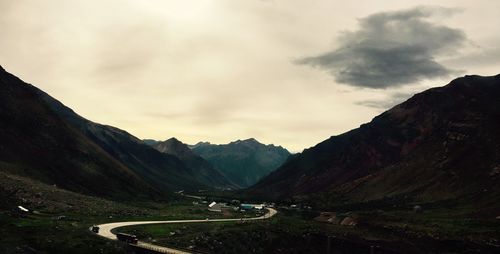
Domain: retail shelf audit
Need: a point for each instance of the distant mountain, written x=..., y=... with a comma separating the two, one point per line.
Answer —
x=204, y=171
x=45, y=140
x=150, y=142
x=441, y=144
x=244, y=162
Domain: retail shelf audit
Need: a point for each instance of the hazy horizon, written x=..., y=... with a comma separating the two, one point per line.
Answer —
x=289, y=73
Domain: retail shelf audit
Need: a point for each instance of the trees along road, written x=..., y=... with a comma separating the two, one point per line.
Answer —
x=105, y=229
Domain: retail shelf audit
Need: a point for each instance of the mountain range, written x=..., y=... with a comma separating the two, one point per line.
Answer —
x=205, y=172
x=47, y=141
x=42, y=139
x=441, y=144
x=243, y=162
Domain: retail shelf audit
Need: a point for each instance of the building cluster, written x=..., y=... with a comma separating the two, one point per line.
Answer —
x=236, y=207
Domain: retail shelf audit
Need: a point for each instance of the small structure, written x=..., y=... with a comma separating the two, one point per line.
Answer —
x=272, y=205
x=259, y=207
x=22, y=209
x=217, y=207
x=246, y=207
x=252, y=207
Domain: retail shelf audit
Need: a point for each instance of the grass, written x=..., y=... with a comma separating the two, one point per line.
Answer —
x=45, y=234
x=439, y=224
x=290, y=231
x=63, y=228
x=395, y=231
x=440, y=228
x=284, y=233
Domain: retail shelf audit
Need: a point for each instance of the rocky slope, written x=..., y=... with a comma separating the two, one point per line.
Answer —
x=440, y=144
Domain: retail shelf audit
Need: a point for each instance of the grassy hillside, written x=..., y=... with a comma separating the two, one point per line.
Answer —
x=59, y=220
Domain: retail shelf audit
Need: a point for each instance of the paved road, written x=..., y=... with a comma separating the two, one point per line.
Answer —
x=192, y=196
x=105, y=229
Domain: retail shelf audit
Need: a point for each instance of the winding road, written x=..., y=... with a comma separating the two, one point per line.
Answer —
x=105, y=229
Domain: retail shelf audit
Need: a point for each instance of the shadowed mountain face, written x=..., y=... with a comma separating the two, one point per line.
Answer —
x=244, y=162
x=204, y=172
x=43, y=139
x=150, y=142
x=443, y=143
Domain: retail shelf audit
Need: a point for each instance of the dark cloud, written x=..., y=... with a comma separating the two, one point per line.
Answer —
x=391, y=49
x=391, y=101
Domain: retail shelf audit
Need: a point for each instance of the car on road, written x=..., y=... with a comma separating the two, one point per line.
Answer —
x=128, y=238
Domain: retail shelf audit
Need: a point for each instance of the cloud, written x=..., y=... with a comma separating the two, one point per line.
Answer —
x=392, y=49
x=391, y=101
x=482, y=56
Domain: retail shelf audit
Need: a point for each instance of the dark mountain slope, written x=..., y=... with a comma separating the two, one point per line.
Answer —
x=36, y=142
x=150, y=142
x=440, y=144
x=203, y=170
x=244, y=162
x=50, y=142
x=164, y=171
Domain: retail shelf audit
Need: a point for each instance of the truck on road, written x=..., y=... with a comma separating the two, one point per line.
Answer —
x=128, y=238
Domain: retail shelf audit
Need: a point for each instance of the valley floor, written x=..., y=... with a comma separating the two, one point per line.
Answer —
x=297, y=232
x=59, y=222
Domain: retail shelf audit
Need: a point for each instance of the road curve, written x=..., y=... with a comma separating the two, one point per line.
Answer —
x=105, y=229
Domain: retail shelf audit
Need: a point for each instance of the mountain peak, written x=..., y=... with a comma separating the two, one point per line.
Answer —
x=476, y=79
x=205, y=172
x=172, y=146
x=249, y=141
x=244, y=162
x=173, y=140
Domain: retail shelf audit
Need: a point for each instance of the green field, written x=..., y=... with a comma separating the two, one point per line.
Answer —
x=61, y=221
x=55, y=230
x=293, y=231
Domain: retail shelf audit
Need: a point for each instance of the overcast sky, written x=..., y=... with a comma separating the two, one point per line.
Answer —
x=287, y=72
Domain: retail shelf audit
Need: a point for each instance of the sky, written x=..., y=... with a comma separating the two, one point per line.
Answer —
x=286, y=72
